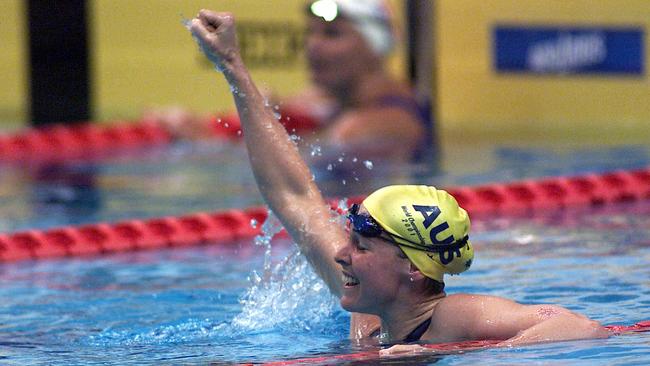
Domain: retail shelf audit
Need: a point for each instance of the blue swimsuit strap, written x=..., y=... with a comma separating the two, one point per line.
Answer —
x=415, y=334
x=406, y=103
x=422, y=114
x=418, y=332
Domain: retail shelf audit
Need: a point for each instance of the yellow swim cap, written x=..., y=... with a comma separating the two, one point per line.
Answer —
x=428, y=218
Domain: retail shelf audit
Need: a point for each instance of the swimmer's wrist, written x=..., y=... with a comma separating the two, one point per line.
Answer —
x=235, y=71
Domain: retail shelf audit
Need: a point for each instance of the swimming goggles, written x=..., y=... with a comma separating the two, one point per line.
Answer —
x=366, y=226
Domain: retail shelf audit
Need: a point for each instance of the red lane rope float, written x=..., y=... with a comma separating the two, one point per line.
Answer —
x=220, y=227
x=232, y=225
x=79, y=141
x=443, y=348
x=60, y=141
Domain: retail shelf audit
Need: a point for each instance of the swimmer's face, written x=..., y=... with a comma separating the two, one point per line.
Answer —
x=373, y=274
x=336, y=53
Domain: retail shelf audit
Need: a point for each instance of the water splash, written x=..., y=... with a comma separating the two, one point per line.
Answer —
x=342, y=208
x=316, y=150
x=288, y=296
x=270, y=227
x=186, y=22
x=294, y=294
x=290, y=290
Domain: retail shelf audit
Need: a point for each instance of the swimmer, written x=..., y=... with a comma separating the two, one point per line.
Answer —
x=388, y=267
x=363, y=108
x=354, y=106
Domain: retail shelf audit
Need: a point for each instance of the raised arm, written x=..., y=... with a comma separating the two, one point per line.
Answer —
x=282, y=176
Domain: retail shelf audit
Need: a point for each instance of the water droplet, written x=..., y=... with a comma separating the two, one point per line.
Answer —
x=253, y=223
x=187, y=23
x=368, y=164
x=316, y=150
x=330, y=167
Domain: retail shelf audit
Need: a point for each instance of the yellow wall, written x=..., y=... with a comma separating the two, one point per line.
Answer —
x=141, y=56
x=473, y=99
x=13, y=63
x=144, y=57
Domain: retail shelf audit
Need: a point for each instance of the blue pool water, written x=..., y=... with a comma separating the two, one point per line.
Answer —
x=236, y=303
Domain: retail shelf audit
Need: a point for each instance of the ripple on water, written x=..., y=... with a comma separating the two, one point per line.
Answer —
x=609, y=298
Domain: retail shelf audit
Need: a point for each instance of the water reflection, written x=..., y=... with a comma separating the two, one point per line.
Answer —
x=65, y=190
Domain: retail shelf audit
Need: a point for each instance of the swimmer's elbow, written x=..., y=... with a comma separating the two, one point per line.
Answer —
x=580, y=327
x=596, y=330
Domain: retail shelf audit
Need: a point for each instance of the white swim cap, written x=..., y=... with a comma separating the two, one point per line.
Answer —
x=372, y=18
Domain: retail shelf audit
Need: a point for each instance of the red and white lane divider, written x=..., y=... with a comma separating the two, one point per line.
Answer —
x=59, y=142
x=231, y=225
x=62, y=142
x=440, y=348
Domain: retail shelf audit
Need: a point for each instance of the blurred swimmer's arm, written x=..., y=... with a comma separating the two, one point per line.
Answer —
x=180, y=122
x=283, y=178
x=372, y=133
x=489, y=317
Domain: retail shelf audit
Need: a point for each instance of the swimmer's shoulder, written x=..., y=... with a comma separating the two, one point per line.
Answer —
x=463, y=311
x=467, y=303
x=454, y=317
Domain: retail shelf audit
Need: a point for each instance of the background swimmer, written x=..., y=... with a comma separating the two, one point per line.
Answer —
x=354, y=103
x=391, y=282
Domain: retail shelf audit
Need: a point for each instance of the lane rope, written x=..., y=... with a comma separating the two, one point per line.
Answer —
x=441, y=348
x=60, y=142
x=228, y=226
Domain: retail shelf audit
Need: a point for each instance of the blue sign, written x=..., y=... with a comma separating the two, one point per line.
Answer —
x=568, y=50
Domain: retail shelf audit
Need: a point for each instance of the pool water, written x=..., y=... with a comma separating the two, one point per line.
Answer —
x=248, y=302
